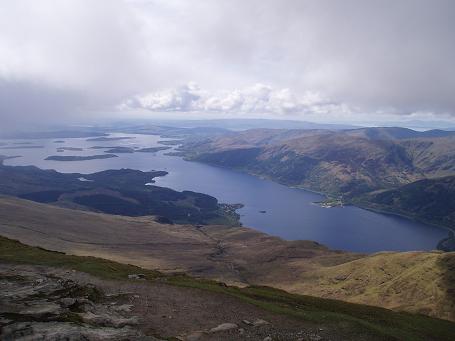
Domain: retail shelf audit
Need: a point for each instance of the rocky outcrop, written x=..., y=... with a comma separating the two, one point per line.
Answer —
x=42, y=303
x=35, y=306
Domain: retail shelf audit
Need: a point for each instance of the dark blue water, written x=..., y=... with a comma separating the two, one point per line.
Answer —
x=290, y=213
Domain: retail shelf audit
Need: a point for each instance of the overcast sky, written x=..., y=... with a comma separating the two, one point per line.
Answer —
x=332, y=61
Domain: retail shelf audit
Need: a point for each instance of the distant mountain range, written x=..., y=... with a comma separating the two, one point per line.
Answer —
x=240, y=124
x=347, y=164
x=254, y=123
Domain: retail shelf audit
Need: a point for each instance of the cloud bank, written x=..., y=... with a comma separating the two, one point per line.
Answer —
x=61, y=59
x=256, y=99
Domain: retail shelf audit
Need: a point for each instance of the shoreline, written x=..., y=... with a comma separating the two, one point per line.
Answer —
x=404, y=216
x=327, y=197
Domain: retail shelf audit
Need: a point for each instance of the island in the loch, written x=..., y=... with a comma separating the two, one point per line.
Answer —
x=170, y=142
x=26, y=146
x=122, y=150
x=107, y=139
x=79, y=158
x=72, y=149
x=330, y=202
x=152, y=149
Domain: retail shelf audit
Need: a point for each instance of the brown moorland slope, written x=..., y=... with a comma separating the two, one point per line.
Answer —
x=412, y=281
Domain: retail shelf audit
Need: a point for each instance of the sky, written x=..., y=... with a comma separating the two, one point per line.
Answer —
x=350, y=61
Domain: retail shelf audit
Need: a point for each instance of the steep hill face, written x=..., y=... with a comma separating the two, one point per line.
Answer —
x=435, y=157
x=425, y=198
x=340, y=164
x=412, y=281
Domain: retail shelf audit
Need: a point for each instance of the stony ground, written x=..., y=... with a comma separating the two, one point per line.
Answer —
x=40, y=303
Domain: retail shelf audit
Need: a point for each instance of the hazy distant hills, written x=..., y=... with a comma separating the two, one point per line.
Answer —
x=347, y=163
x=68, y=133
x=398, y=133
x=245, y=124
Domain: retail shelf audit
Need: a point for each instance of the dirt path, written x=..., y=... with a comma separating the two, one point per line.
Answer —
x=153, y=309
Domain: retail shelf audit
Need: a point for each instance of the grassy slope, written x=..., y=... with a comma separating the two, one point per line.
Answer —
x=377, y=322
x=410, y=281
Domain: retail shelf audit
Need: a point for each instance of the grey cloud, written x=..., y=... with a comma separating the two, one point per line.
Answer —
x=20, y=101
x=58, y=59
x=370, y=53
x=379, y=57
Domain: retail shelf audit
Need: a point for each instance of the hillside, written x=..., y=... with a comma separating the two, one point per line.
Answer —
x=240, y=256
x=409, y=281
x=58, y=296
x=348, y=163
x=421, y=199
x=331, y=162
x=435, y=157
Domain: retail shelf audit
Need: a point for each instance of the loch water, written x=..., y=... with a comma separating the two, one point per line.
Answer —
x=276, y=209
